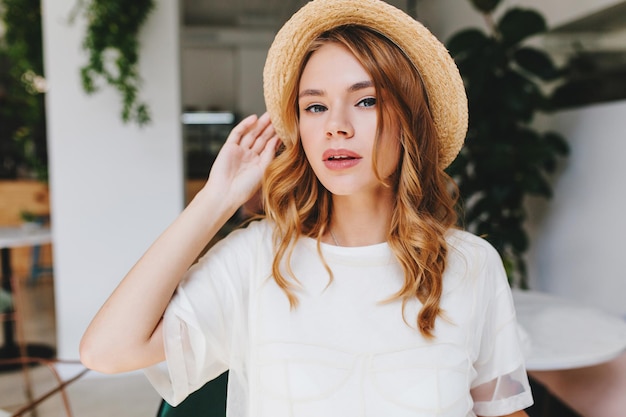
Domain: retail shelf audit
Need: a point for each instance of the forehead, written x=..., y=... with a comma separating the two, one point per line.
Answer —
x=333, y=64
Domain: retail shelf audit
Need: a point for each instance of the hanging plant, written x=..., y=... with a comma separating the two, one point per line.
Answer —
x=112, y=43
x=505, y=158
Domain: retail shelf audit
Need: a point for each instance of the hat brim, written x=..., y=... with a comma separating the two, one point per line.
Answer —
x=440, y=75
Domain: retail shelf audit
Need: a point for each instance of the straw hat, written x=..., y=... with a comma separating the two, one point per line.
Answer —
x=444, y=86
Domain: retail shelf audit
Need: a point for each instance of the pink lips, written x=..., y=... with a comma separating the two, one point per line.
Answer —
x=337, y=159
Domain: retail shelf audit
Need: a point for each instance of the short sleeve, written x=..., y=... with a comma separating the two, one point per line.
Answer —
x=501, y=385
x=194, y=337
x=204, y=325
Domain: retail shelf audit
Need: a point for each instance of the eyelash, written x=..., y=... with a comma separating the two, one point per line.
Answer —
x=317, y=108
x=370, y=100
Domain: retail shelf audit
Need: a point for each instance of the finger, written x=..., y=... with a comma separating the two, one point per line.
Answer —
x=237, y=133
x=263, y=138
x=269, y=152
x=254, y=131
x=249, y=138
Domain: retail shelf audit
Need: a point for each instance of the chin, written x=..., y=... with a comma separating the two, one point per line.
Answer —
x=344, y=190
x=336, y=189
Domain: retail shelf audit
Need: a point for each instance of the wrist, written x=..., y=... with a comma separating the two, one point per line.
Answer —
x=213, y=204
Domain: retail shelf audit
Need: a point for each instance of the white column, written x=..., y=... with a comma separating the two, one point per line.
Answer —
x=578, y=235
x=114, y=187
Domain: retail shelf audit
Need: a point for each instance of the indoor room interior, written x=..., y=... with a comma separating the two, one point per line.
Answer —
x=83, y=193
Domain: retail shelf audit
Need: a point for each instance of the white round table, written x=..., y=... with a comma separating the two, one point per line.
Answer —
x=13, y=237
x=565, y=335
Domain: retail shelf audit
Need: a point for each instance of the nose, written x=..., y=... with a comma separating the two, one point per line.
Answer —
x=338, y=124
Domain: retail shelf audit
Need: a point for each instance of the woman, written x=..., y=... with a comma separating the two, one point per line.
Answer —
x=354, y=295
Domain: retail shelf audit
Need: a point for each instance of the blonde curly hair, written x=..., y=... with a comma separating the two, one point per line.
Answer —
x=423, y=210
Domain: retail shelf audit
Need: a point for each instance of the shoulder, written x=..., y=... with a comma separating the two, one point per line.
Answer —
x=261, y=227
x=467, y=244
x=473, y=259
x=232, y=261
x=242, y=244
x=251, y=234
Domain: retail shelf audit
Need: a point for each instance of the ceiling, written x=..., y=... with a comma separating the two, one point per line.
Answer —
x=607, y=20
x=272, y=13
x=601, y=34
x=595, y=50
x=594, y=45
x=241, y=13
x=248, y=13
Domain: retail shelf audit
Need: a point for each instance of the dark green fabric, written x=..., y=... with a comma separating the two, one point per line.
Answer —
x=209, y=401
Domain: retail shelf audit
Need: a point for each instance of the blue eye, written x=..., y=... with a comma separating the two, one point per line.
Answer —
x=367, y=102
x=315, y=108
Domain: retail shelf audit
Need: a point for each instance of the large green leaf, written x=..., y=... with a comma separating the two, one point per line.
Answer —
x=535, y=184
x=479, y=208
x=518, y=24
x=520, y=95
x=504, y=159
x=536, y=62
x=466, y=41
x=557, y=142
x=518, y=239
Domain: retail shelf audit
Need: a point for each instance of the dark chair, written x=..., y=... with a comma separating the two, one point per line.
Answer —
x=546, y=404
x=210, y=401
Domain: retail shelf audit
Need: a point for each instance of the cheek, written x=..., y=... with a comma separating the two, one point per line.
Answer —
x=309, y=130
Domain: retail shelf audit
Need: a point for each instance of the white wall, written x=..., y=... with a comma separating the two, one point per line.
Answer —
x=578, y=236
x=250, y=89
x=114, y=187
x=208, y=78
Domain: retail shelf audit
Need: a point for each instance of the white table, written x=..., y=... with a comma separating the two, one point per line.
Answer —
x=14, y=237
x=566, y=335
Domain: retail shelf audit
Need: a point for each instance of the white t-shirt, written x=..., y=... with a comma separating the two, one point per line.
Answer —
x=343, y=351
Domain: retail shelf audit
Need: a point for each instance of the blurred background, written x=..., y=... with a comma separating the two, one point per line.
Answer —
x=108, y=163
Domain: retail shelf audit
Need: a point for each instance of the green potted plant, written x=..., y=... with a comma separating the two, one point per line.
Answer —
x=30, y=220
x=23, y=151
x=505, y=158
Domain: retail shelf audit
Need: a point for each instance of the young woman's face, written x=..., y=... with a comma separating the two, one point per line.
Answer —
x=338, y=118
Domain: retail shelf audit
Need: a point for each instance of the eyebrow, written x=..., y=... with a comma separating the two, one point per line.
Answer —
x=354, y=87
x=361, y=85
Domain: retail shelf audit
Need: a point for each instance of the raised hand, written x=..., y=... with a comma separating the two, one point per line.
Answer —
x=250, y=147
x=126, y=333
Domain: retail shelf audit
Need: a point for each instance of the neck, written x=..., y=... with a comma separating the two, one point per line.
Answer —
x=360, y=221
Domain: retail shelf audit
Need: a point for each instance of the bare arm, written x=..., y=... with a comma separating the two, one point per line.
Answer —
x=126, y=333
